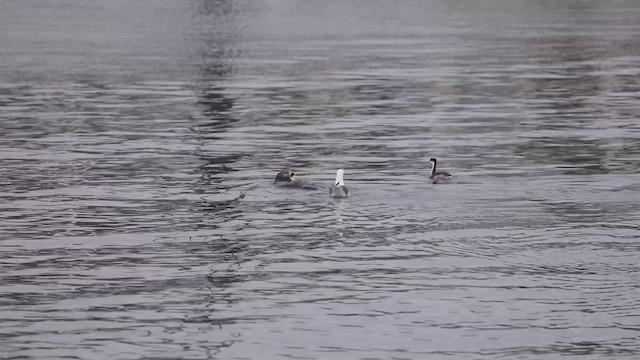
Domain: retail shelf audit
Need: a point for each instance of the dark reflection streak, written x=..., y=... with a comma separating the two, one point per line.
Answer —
x=216, y=38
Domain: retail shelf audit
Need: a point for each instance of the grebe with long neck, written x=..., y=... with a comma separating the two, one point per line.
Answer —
x=436, y=176
x=339, y=190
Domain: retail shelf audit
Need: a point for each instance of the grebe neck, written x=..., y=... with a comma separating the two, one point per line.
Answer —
x=340, y=177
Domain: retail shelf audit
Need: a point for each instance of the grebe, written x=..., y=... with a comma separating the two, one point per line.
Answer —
x=287, y=178
x=436, y=176
x=339, y=190
x=284, y=177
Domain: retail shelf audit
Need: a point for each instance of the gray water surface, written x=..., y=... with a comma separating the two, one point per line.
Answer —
x=139, y=142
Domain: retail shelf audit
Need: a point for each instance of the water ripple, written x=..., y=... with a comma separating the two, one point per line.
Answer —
x=139, y=143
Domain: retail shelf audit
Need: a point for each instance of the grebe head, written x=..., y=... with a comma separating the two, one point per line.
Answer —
x=285, y=175
x=340, y=177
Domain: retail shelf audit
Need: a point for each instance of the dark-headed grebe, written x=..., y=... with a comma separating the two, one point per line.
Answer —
x=438, y=176
x=284, y=177
x=287, y=178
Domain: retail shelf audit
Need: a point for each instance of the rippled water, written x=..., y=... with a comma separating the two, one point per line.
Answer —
x=139, y=142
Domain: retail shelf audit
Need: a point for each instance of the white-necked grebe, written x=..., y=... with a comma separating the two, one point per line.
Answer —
x=438, y=176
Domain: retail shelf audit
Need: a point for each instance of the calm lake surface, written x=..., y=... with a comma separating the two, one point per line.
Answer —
x=139, y=142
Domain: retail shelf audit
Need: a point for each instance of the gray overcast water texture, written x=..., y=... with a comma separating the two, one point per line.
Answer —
x=139, y=141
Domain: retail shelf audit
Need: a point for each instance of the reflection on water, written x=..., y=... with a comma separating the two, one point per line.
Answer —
x=139, y=142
